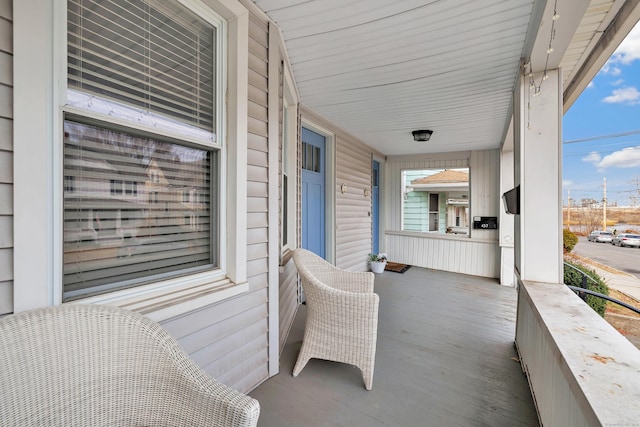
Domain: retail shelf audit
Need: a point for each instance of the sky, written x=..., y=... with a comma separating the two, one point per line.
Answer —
x=607, y=116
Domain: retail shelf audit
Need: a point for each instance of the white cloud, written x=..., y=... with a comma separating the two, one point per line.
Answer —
x=567, y=183
x=626, y=158
x=629, y=49
x=593, y=157
x=617, y=82
x=626, y=95
x=591, y=85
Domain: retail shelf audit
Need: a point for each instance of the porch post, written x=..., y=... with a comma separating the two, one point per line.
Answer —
x=538, y=171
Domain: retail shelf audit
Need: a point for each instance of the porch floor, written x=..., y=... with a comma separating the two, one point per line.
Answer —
x=445, y=357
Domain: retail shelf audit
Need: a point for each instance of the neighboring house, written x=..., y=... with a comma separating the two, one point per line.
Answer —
x=439, y=201
x=208, y=143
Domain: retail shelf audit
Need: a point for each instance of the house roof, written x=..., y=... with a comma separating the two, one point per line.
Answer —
x=447, y=176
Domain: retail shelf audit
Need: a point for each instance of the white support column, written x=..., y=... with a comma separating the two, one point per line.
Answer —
x=506, y=220
x=538, y=171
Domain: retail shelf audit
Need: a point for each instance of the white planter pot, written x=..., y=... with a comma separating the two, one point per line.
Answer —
x=377, y=266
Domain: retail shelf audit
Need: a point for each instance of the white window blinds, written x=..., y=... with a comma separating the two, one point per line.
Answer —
x=135, y=209
x=148, y=61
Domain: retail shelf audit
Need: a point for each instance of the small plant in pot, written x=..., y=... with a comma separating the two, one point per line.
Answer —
x=377, y=262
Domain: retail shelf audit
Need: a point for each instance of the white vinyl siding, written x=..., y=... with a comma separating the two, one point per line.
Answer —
x=6, y=157
x=478, y=254
x=229, y=339
x=353, y=208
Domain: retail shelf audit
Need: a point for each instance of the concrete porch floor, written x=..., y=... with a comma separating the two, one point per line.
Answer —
x=444, y=358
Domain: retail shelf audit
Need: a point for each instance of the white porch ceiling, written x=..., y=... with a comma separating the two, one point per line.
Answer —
x=380, y=69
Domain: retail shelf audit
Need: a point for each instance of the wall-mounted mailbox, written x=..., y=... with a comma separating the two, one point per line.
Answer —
x=485, y=222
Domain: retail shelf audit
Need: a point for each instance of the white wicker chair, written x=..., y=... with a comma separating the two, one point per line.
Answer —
x=88, y=365
x=342, y=315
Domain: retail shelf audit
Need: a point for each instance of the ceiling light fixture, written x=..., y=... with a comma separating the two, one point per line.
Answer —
x=422, y=135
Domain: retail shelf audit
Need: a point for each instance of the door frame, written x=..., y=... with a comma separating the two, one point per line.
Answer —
x=329, y=185
x=382, y=207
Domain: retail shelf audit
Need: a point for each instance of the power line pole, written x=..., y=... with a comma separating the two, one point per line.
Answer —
x=569, y=210
x=604, y=206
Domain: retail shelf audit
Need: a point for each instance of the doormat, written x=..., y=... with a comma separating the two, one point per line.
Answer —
x=396, y=267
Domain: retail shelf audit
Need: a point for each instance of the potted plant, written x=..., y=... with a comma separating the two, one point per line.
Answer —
x=377, y=262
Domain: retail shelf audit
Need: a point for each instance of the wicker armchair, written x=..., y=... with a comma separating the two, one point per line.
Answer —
x=342, y=315
x=88, y=365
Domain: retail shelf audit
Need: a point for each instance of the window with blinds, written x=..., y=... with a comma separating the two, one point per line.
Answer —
x=147, y=61
x=139, y=206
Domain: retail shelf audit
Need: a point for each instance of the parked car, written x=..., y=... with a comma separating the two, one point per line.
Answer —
x=600, y=236
x=627, y=239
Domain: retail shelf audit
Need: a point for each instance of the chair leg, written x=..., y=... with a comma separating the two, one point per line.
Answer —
x=300, y=364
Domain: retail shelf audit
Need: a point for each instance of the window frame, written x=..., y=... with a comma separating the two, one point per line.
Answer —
x=41, y=69
x=289, y=163
x=430, y=195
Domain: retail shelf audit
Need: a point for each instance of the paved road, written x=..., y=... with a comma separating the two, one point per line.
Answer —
x=625, y=259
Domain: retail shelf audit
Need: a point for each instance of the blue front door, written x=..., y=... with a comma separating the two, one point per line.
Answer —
x=375, y=208
x=313, y=178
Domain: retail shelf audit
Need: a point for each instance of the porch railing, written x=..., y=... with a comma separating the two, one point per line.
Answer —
x=583, y=290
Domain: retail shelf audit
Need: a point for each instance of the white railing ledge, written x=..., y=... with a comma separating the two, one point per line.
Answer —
x=580, y=369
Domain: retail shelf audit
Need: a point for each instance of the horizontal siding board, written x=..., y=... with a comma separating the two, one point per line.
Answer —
x=244, y=378
x=257, y=127
x=6, y=199
x=6, y=232
x=257, y=142
x=254, y=189
x=257, y=251
x=257, y=204
x=6, y=265
x=256, y=48
x=219, y=331
x=257, y=219
x=258, y=95
x=258, y=112
x=6, y=36
x=214, y=314
x=257, y=173
x=256, y=267
x=6, y=297
x=257, y=235
x=258, y=80
x=237, y=350
x=6, y=134
x=257, y=158
x=258, y=282
x=259, y=32
x=6, y=69
x=6, y=102
x=258, y=65
x=6, y=167
x=6, y=9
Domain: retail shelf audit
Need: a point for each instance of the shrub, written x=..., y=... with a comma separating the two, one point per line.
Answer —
x=596, y=284
x=569, y=240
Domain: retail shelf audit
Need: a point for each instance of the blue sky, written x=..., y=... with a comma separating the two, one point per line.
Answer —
x=609, y=106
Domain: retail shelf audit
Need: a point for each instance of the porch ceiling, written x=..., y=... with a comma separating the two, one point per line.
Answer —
x=381, y=69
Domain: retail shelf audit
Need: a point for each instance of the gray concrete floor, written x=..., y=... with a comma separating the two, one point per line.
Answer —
x=445, y=357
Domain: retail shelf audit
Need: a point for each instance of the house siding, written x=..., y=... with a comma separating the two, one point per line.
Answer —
x=353, y=160
x=6, y=157
x=478, y=254
x=229, y=340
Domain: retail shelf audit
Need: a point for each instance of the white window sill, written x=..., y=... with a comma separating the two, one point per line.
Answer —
x=161, y=303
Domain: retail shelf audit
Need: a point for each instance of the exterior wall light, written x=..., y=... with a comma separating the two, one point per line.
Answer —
x=422, y=135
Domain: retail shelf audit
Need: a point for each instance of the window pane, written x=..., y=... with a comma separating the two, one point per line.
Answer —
x=124, y=219
x=148, y=61
x=436, y=200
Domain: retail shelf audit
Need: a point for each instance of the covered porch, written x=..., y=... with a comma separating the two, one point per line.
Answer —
x=445, y=356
